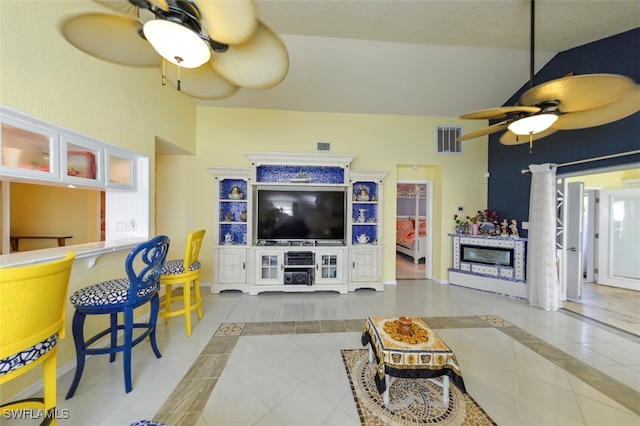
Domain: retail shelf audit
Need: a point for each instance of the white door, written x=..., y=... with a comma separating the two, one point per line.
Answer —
x=589, y=222
x=573, y=243
x=619, y=238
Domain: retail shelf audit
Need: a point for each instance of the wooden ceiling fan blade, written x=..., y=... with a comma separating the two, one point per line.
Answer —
x=120, y=6
x=614, y=111
x=581, y=92
x=497, y=113
x=113, y=38
x=510, y=138
x=260, y=63
x=228, y=22
x=201, y=82
x=484, y=131
x=128, y=8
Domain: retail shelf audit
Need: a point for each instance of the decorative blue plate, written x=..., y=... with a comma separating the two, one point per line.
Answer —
x=487, y=228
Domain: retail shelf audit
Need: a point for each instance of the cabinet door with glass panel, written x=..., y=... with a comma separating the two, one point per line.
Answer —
x=269, y=266
x=29, y=150
x=329, y=266
x=81, y=162
x=120, y=170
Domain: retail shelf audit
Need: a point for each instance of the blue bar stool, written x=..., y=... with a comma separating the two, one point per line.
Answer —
x=121, y=295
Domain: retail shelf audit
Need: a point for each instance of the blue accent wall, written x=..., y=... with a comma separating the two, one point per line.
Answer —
x=508, y=192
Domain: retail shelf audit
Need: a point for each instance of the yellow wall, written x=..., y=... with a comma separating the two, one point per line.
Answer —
x=608, y=180
x=42, y=75
x=45, y=77
x=224, y=135
x=44, y=210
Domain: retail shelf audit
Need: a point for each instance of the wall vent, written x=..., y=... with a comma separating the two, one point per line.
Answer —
x=446, y=142
x=324, y=146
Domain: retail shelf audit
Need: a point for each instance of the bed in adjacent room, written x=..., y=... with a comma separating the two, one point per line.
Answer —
x=411, y=237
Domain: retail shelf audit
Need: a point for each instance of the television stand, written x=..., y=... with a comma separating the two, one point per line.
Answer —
x=299, y=269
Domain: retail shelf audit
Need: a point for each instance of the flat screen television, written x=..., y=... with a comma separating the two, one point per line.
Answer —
x=300, y=213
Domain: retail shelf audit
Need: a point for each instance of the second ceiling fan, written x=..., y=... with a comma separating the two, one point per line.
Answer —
x=568, y=103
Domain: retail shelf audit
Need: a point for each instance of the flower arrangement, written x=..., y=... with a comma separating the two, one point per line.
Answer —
x=484, y=216
x=460, y=221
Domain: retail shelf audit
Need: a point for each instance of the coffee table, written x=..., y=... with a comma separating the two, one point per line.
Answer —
x=421, y=355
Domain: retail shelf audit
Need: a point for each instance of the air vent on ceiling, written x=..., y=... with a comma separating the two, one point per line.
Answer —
x=446, y=142
x=324, y=146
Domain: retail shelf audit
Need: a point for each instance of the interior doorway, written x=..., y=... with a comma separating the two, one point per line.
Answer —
x=610, y=304
x=413, y=229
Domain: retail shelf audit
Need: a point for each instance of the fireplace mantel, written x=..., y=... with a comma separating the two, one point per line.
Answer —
x=493, y=264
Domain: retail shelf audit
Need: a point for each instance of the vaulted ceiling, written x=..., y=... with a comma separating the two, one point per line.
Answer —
x=421, y=57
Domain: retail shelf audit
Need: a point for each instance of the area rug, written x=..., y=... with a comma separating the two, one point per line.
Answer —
x=411, y=401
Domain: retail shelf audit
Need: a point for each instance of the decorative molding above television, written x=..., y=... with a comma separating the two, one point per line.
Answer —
x=297, y=159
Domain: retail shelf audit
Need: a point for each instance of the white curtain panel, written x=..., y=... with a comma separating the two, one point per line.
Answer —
x=543, y=289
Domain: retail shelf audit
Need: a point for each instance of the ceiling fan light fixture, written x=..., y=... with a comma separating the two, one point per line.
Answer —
x=177, y=43
x=532, y=124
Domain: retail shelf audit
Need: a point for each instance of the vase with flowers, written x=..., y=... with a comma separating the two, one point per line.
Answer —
x=462, y=225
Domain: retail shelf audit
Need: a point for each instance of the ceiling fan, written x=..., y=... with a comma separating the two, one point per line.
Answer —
x=217, y=46
x=567, y=103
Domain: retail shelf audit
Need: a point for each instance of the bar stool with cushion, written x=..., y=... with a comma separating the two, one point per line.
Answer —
x=32, y=322
x=184, y=271
x=121, y=296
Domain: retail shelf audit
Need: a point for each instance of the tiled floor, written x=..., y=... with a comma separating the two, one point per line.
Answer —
x=614, y=306
x=276, y=361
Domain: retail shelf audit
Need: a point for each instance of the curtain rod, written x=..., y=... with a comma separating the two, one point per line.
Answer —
x=588, y=160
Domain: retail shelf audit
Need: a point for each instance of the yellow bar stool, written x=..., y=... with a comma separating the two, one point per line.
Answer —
x=184, y=271
x=32, y=322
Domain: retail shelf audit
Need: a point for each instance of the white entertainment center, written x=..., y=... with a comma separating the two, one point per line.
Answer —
x=297, y=223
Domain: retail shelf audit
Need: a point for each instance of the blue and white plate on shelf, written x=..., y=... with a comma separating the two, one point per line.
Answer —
x=487, y=228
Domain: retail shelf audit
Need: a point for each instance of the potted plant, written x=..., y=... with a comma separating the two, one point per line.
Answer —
x=462, y=225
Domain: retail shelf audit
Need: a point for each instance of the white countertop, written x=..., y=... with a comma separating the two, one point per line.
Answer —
x=82, y=251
